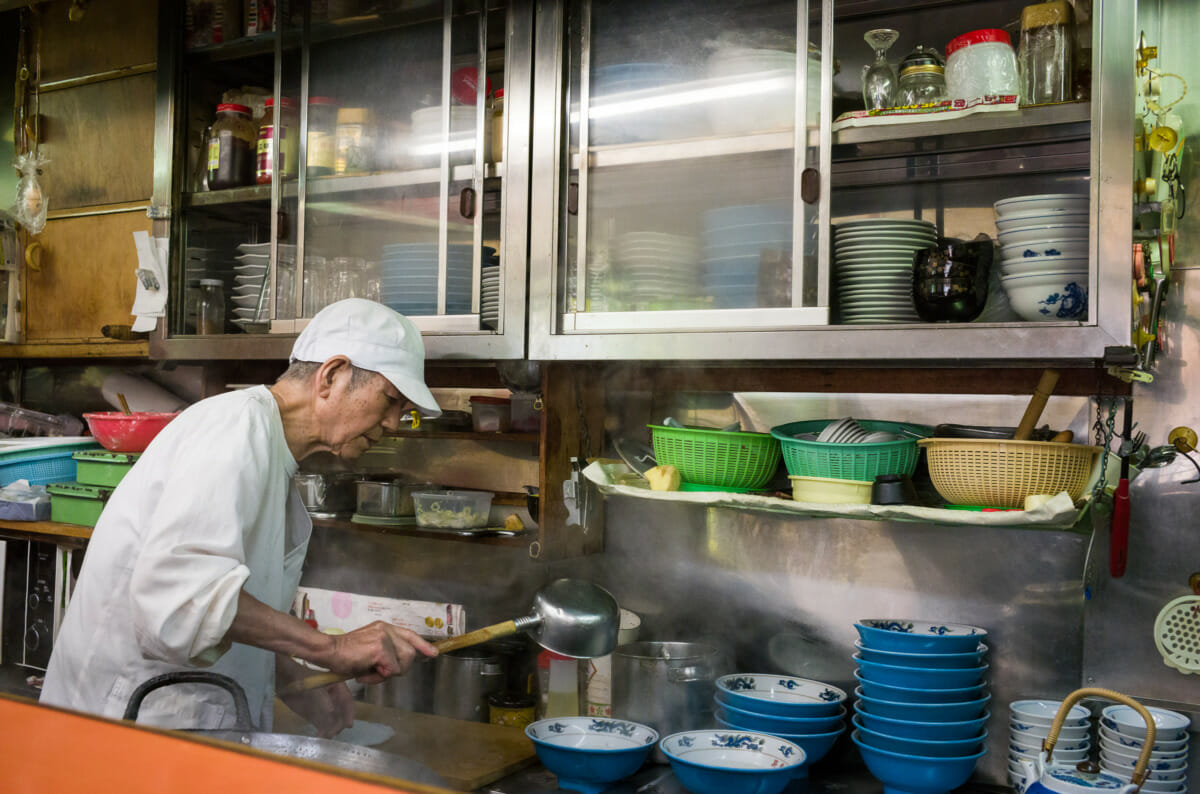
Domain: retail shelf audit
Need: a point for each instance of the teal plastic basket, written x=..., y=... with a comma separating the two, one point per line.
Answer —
x=718, y=458
x=864, y=462
x=41, y=465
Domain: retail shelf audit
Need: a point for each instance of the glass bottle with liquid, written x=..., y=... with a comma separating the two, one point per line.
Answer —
x=210, y=310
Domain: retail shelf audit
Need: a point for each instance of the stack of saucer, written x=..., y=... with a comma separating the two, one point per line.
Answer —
x=873, y=269
x=1123, y=735
x=657, y=269
x=1029, y=724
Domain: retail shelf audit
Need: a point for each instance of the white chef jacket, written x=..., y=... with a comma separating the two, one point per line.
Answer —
x=208, y=510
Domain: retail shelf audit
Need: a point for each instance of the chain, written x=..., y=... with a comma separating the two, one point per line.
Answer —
x=1104, y=436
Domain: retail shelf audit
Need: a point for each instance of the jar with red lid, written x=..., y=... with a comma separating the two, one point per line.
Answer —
x=232, y=141
x=981, y=64
x=288, y=122
x=322, y=136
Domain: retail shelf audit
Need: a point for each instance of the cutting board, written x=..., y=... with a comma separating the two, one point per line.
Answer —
x=467, y=754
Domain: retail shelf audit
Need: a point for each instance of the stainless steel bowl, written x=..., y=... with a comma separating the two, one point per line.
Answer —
x=387, y=498
x=325, y=494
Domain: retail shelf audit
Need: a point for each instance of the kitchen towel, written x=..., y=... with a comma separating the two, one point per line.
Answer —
x=150, y=300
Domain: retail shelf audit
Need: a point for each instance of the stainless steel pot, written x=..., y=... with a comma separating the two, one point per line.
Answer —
x=325, y=494
x=463, y=681
x=666, y=685
x=412, y=691
x=322, y=751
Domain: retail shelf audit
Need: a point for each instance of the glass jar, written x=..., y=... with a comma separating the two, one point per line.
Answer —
x=322, y=136
x=355, y=147
x=316, y=285
x=210, y=311
x=981, y=64
x=496, y=128
x=232, y=141
x=289, y=152
x=1047, y=57
x=922, y=78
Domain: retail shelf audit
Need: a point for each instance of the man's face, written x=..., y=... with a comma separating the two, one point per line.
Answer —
x=357, y=415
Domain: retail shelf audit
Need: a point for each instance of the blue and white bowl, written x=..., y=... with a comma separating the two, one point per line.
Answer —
x=926, y=660
x=1028, y=714
x=781, y=695
x=815, y=745
x=908, y=729
x=587, y=753
x=1039, y=231
x=1171, y=726
x=731, y=762
x=1125, y=772
x=773, y=723
x=1024, y=743
x=1157, y=763
x=943, y=748
x=1048, y=297
x=1132, y=744
x=909, y=774
x=916, y=636
x=1035, y=733
x=1032, y=250
x=899, y=694
x=923, y=712
x=921, y=677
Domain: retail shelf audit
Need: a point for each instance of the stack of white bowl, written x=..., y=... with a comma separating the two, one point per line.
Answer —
x=1123, y=735
x=1029, y=724
x=657, y=270
x=873, y=266
x=737, y=242
x=489, y=294
x=1044, y=255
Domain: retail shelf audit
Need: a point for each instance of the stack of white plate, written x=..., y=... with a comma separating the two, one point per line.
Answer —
x=408, y=279
x=489, y=291
x=1123, y=735
x=873, y=264
x=1044, y=255
x=848, y=431
x=1029, y=724
x=657, y=268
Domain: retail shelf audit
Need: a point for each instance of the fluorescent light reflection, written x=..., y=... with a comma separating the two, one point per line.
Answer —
x=781, y=82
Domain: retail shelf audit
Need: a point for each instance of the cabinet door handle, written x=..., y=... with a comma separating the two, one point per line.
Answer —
x=573, y=198
x=466, y=202
x=810, y=185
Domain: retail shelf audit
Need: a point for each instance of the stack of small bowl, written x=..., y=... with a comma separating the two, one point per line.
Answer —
x=804, y=712
x=922, y=702
x=1044, y=255
x=1122, y=736
x=1029, y=724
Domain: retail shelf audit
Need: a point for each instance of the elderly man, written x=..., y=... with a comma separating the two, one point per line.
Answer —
x=198, y=553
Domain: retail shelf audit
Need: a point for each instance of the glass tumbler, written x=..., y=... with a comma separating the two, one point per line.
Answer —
x=316, y=285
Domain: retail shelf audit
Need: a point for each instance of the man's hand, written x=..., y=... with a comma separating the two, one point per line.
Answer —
x=330, y=708
x=375, y=652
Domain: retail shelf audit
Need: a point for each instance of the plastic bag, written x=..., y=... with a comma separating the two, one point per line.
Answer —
x=31, y=201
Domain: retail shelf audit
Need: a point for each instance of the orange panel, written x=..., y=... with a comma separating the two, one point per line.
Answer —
x=45, y=751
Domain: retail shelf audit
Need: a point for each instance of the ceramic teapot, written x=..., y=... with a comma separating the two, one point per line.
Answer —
x=1045, y=777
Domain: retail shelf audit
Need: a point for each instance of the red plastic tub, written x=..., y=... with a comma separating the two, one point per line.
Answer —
x=119, y=432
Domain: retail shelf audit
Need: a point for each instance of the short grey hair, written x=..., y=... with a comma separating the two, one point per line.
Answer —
x=301, y=371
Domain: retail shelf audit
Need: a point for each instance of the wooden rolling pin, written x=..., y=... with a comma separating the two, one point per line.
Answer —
x=1037, y=404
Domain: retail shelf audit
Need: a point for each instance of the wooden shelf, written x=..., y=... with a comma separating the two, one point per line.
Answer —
x=49, y=528
x=466, y=435
x=77, y=348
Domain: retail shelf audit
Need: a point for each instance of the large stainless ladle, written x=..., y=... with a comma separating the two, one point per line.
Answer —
x=572, y=617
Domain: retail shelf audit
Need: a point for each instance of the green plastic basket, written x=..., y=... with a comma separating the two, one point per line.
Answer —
x=717, y=457
x=805, y=458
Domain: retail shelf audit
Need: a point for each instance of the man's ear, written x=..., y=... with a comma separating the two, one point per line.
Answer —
x=329, y=372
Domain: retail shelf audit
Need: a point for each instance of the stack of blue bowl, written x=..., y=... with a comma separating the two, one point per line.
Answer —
x=920, y=718
x=804, y=712
x=628, y=103
x=736, y=240
x=408, y=279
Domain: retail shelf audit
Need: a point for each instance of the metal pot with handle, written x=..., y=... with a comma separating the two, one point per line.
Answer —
x=323, y=751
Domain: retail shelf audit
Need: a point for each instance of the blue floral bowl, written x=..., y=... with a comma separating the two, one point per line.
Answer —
x=923, y=712
x=769, y=723
x=921, y=677
x=731, y=762
x=815, y=745
x=907, y=729
x=781, y=695
x=945, y=748
x=588, y=753
x=916, y=636
x=902, y=694
x=910, y=774
x=925, y=660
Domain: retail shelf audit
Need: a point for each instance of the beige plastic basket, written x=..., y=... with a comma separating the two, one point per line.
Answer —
x=1001, y=472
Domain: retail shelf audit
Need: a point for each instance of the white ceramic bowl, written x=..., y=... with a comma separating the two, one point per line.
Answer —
x=1125, y=772
x=1118, y=751
x=1045, y=246
x=1171, y=726
x=1042, y=202
x=829, y=491
x=1022, y=220
x=1048, y=264
x=1026, y=743
x=1042, y=712
x=1039, y=732
x=1065, y=757
x=1164, y=787
x=1047, y=299
x=1134, y=744
x=1041, y=231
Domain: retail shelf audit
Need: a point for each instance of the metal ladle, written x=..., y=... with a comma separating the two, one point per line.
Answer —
x=571, y=617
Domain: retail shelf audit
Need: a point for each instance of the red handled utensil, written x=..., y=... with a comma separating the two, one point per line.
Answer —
x=1118, y=537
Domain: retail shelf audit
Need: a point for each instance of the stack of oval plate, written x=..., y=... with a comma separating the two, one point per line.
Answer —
x=1044, y=255
x=1029, y=724
x=873, y=263
x=1123, y=735
x=657, y=269
x=805, y=712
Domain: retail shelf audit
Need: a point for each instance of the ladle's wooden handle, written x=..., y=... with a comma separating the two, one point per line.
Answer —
x=318, y=680
x=1139, y=771
x=1033, y=411
x=124, y=404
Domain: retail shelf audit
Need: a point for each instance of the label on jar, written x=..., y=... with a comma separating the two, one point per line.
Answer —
x=214, y=153
x=322, y=152
x=288, y=154
x=264, y=163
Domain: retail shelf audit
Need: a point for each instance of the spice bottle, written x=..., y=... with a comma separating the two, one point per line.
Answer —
x=287, y=121
x=232, y=141
x=355, y=142
x=210, y=312
x=322, y=136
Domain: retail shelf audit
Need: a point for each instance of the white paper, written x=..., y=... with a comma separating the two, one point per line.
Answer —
x=150, y=304
x=342, y=612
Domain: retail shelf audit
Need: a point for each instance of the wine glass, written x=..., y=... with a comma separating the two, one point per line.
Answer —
x=880, y=82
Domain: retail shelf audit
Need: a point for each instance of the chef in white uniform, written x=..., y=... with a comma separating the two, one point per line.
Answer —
x=196, y=558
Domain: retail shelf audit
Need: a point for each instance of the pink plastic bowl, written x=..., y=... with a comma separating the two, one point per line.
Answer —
x=118, y=432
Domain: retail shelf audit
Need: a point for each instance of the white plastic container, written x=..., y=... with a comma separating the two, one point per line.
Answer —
x=491, y=414
x=981, y=64
x=452, y=509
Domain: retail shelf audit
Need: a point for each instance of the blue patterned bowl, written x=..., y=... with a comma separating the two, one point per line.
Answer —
x=926, y=660
x=587, y=753
x=770, y=723
x=814, y=745
x=910, y=774
x=901, y=694
x=921, y=677
x=908, y=729
x=916, y=636
x=944, y=748
x=923, y=712
x=731, y=762
x=782, y=695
